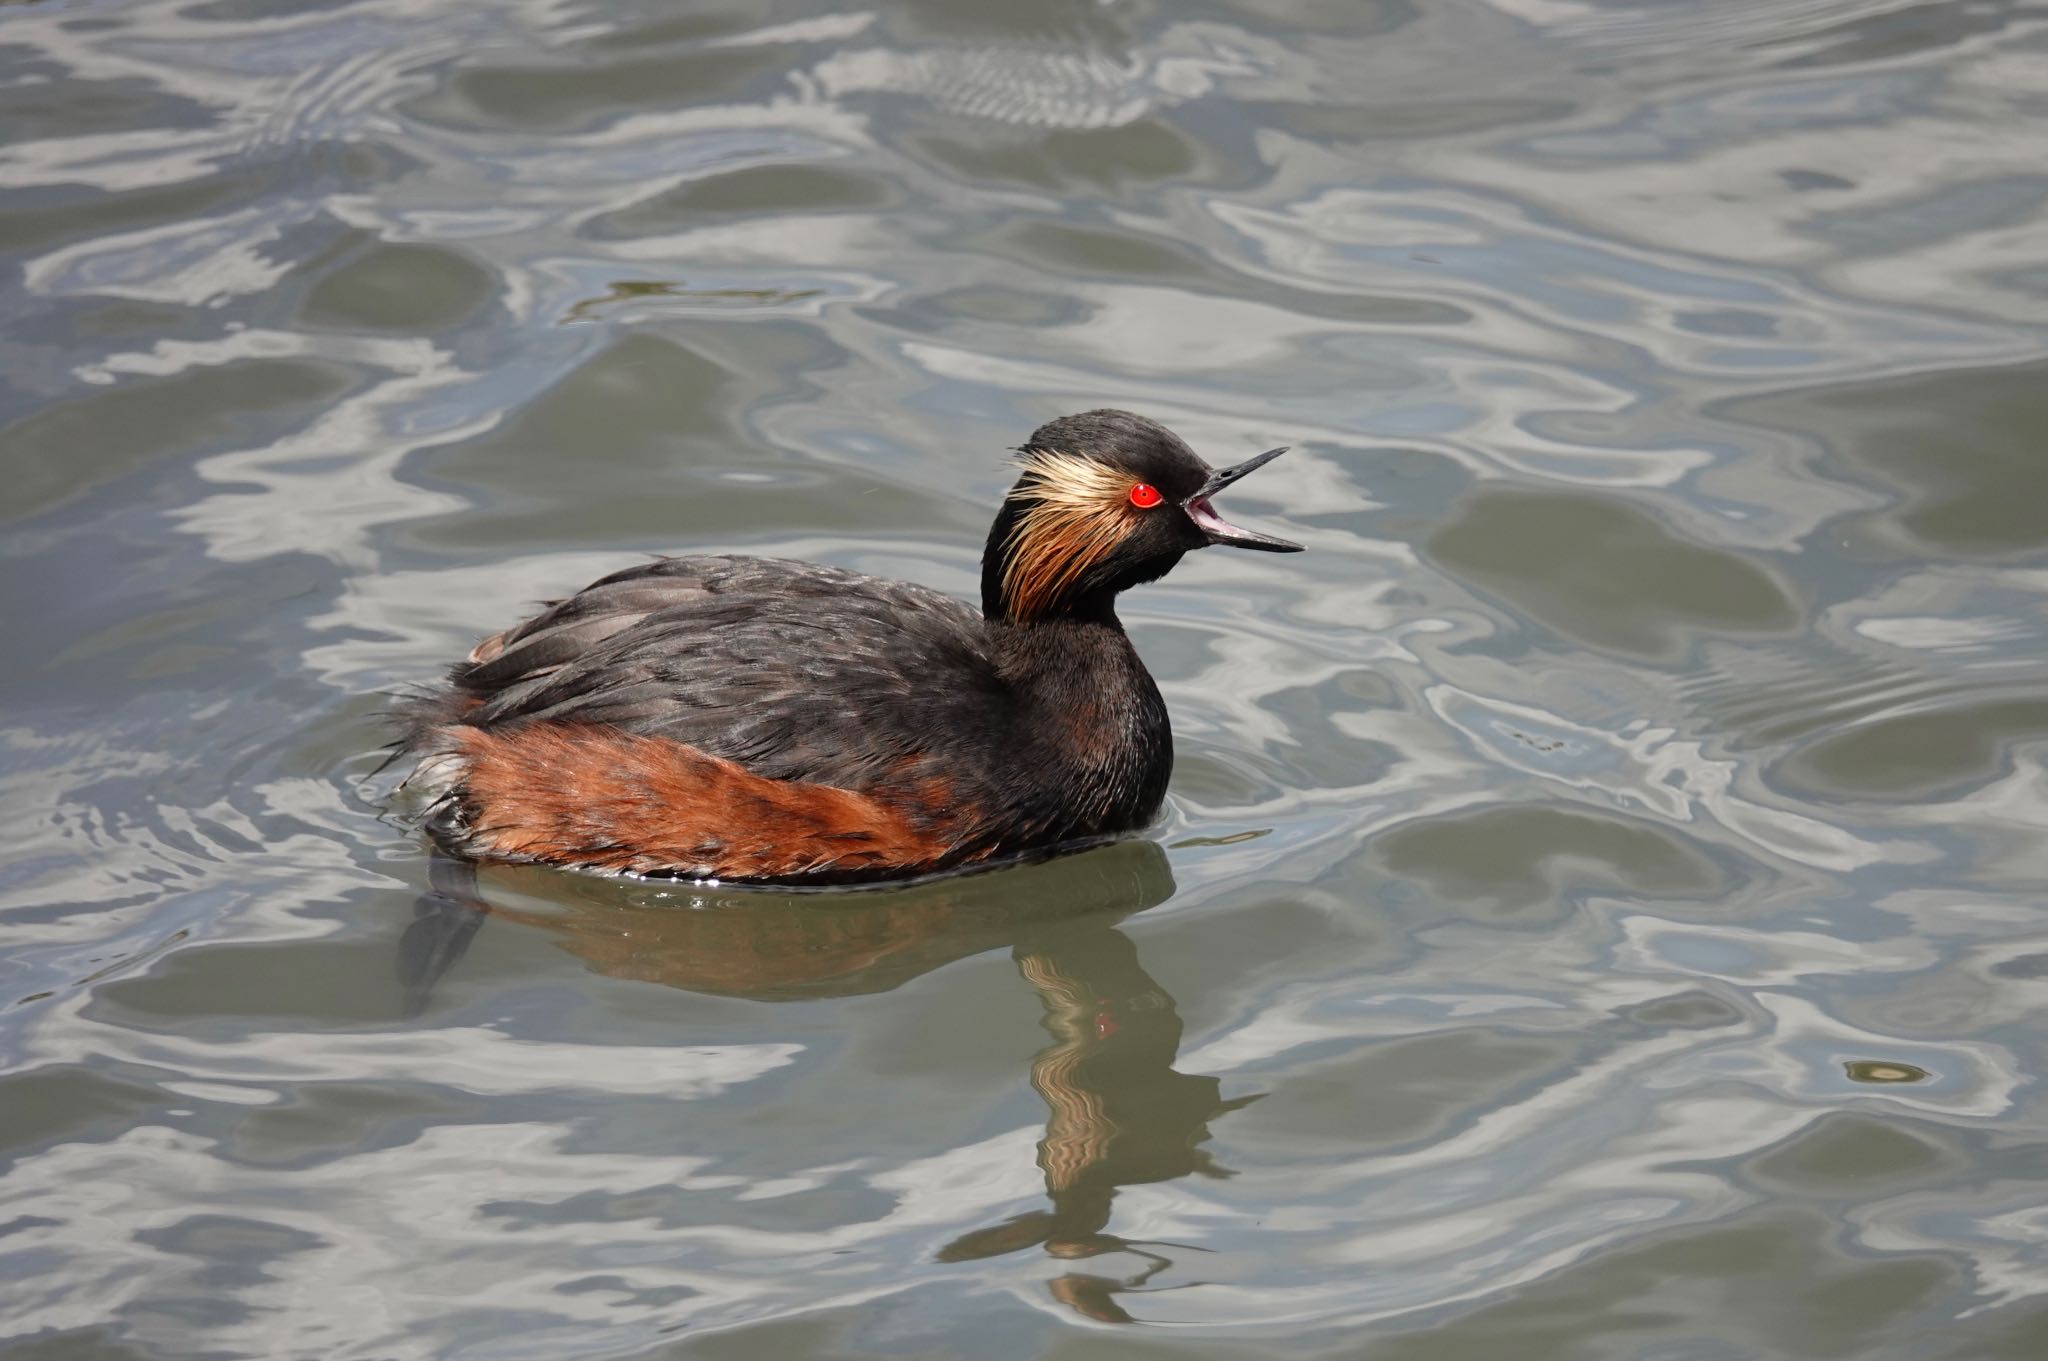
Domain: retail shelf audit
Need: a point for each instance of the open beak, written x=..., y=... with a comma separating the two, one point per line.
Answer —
x=1219, y=530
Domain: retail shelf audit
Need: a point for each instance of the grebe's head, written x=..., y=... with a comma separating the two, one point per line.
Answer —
x=1106, y=500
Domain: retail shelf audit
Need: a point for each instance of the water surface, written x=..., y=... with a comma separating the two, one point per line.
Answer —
x=1599, y=911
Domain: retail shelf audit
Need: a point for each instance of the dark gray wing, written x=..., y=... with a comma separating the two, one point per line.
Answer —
x=796, y=671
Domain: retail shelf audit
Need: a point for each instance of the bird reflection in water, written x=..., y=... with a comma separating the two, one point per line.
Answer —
x=1119, y=1114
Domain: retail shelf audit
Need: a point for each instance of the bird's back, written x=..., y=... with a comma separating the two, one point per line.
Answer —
x=795, y=670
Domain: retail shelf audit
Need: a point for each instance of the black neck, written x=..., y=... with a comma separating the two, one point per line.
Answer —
x=995, y=558
x=1053, y=646
x=1092, y=729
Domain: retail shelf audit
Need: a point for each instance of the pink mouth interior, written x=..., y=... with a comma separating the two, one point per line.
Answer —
x=1204, y=515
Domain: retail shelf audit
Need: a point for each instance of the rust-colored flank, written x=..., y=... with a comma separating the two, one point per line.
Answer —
x=598, y=798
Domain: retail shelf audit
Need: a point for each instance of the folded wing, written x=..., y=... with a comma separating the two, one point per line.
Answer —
x=793, y=670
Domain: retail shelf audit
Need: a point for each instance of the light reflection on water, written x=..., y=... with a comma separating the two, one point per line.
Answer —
x=1598, y=908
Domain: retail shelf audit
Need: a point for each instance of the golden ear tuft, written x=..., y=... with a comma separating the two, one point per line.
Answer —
x=1076, y=512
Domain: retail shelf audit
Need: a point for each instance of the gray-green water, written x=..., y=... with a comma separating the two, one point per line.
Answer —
x=1603, y=907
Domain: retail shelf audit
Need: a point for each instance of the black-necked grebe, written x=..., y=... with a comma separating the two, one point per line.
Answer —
x=754, y=719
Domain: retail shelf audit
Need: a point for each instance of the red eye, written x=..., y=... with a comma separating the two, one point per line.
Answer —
x=1145, y=496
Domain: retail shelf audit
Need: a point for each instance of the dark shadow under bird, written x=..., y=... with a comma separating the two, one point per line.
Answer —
x=751, y=719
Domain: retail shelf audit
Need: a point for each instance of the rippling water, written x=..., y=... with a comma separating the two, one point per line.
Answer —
x=1600, y=907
